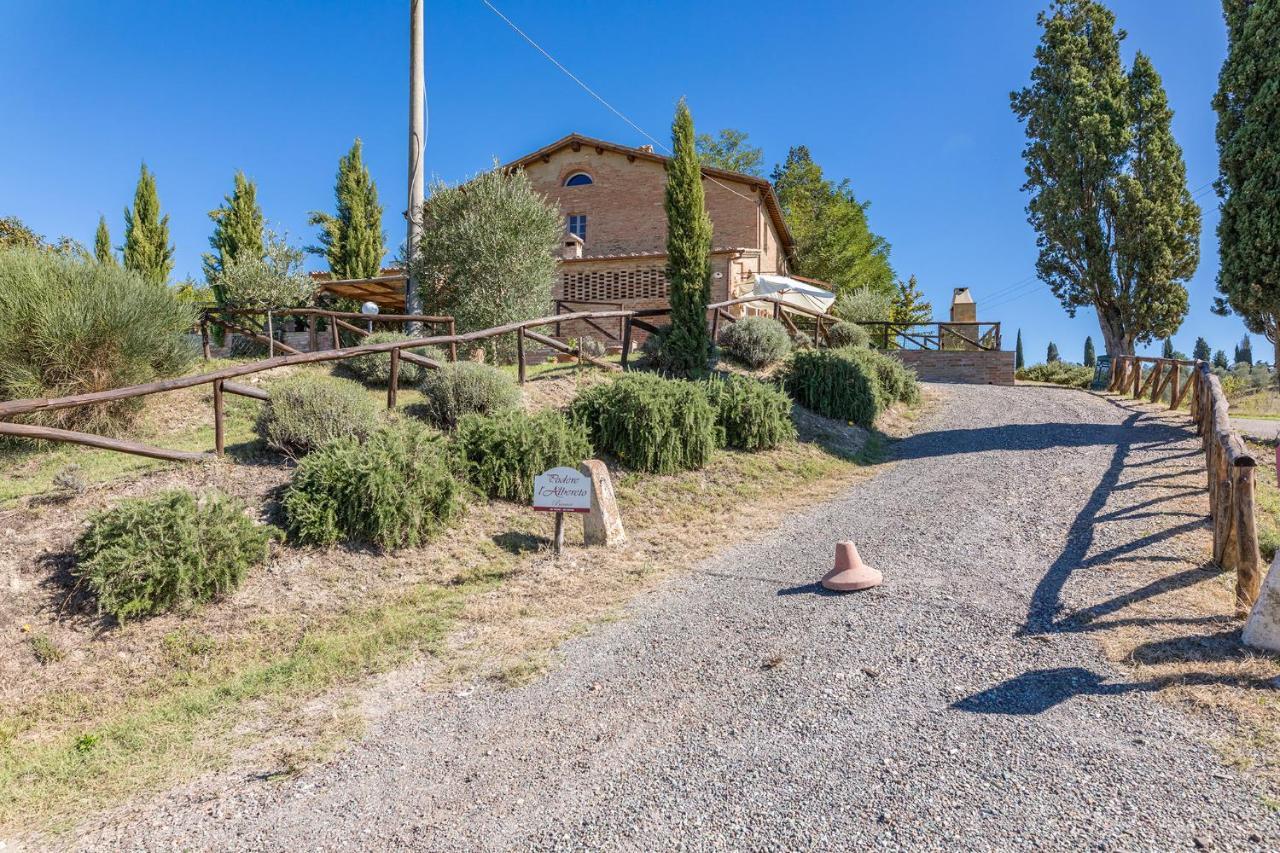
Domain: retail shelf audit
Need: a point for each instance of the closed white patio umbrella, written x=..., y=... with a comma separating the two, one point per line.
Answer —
x=798, y=293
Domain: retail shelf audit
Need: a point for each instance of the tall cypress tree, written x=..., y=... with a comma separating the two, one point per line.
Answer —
x=1051, y=355
x=1244, y=352
x=237, y=229
x=102, y=244
x=1167, y=350
x=352, y=239
x=1090, y=357
x=1117, y=227
x=1201, y=351
x=1248, y=106
x=147, y=250
x=1018, y=361
x=688, y=343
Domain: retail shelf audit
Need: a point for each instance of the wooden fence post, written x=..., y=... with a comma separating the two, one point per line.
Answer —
x=626, y=342
x=271, y=336
x=715, y=326
x=453, y=345
x=520, y=354
x=333, y=331
x=219, y=432
x=394, y=385
x=1137, y=378
x=204, y=336
x=313, y=342
x=1248, y=558
x=1156, y=382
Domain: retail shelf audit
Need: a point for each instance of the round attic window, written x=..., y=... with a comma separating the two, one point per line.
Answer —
x=578, y=179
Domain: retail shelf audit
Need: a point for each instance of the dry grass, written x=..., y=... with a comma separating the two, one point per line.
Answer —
x=1176, y=635
x=287, y=669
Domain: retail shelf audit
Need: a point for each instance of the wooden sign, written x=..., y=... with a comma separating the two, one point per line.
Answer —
x=562, y=490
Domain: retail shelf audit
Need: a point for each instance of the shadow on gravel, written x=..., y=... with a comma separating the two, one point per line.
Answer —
x=1039, y=690
x=1048, y=436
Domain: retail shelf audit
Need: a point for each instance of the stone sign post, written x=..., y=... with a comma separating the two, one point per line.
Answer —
x=603, y=525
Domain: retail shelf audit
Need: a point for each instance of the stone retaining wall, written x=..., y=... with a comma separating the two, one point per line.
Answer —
x=969, y=368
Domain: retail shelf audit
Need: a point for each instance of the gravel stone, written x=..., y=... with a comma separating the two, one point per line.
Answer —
x=952, y=708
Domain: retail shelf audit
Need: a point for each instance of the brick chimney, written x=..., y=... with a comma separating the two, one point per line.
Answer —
x=571, y=248
x=963, y=308
x=648, y=149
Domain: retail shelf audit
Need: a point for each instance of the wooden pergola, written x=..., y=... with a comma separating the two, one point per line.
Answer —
x=385, y=291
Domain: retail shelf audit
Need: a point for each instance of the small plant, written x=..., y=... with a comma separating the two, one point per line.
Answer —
x=45, y=650
x=834, y=383
x=751, y=415
x=375, y=368
x=756, y=341
x=157, y=554
x=592, y=347
x=845, y=334
x=464, y=388
x=70, y=480
x=1058, y=373
x=307, y=411
x=397, y=489
x=505, y=451
x=649, y=423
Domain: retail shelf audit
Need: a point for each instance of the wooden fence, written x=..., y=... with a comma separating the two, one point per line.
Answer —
x=264, y=330
x=938, y=335
x=1228, y=463
x=222, y=381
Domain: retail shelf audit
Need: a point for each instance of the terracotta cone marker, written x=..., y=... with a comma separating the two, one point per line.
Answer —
x=850, y=573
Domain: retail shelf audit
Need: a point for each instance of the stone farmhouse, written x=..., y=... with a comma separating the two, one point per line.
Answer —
x=616, y=228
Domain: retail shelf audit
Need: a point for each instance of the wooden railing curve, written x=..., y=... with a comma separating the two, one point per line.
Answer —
x=1229, y=466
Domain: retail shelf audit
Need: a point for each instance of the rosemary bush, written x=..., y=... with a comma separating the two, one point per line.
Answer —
x=397, y=489
x=463, y=388
x=895, y=382
x=155, y=554
x=649, y=423
x=756, y=341
x=375, y=368
x=504, y=452
x=834, y=383
x=845, y=334
x=750, y=414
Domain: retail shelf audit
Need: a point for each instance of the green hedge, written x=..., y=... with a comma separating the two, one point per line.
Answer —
x=649, y=423
x=895, y=382
x=836, y=384
x=155, y=554
x=464, y=388
x=845, y=334
x=504, y=452
x=397, y=489
x=750, y=414
x=307, y=411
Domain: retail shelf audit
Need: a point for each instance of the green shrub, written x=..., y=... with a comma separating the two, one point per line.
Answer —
x=895, y=382
x=649, y=423
x=864, y=305
x=834, y=383
x=375, y=368
x=307, y=411
x=464, y=388
x=843, y=334
x=756, y=341
x=653, y=352
x=156, y=554
x=1058, y=373
x=505, y=451
x=751, y=415
x=73, y=327
x=397, y=489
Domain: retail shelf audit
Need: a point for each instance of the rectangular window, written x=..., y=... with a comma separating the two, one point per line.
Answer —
x=578, y=225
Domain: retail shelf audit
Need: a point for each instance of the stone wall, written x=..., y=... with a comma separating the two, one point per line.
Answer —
x=969, y=368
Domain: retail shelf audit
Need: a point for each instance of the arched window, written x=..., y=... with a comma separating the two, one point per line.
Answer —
x=578, y=179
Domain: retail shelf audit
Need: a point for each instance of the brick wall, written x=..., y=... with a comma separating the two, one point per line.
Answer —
x=969, y=368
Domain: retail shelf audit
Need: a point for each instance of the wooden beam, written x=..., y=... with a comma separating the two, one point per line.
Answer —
x=562, y=347
x=245, y=390
x=219, y=430
x=101, y=442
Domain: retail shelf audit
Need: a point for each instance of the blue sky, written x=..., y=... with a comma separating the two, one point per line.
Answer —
x=909, y=101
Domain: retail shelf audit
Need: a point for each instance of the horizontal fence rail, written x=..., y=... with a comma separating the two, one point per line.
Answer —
x=1229, y=465
x=937, y=335
x=222, y=384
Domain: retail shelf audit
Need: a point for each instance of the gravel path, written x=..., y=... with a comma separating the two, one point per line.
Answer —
x=738, y=707
x=1265, y=429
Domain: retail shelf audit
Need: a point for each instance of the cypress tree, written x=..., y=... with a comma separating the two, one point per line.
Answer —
x=1220, y=360
x=1117, y=228
x=1201, y=351
x=688, y=343
x=1244, y=352
x=147, y=250
x=1167, y=351
x=237, y=229
x=1052, y=355
x=1018, y=361
x=102, y=244
x=352, y=239
x=1090, y=357
x=1248, y=133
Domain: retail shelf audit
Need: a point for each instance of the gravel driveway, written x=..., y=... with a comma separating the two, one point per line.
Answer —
x=739, y=707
